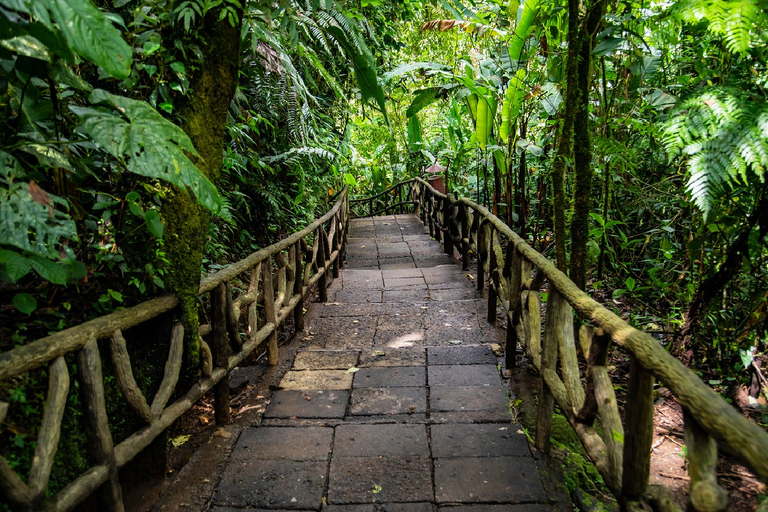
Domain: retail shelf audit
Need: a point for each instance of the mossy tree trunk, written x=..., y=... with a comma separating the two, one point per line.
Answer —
x=564, y=144
x=582, y=150
x=204, y=113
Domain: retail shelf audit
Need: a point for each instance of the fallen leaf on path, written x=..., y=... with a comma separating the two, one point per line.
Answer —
x=455, y=342
x=180, y=440
x=353, y=370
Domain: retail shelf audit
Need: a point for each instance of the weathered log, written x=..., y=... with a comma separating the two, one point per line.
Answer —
x=270, y=315
x=253, y=311
x=569, y=365
x=33, y=355
x=596, y=357
x=532, y=314
x=660, y=499
x=298, y=311
x=482, y=253
x=493, y=281
x=638, y=433
x=50, y=428
x=548, y=363
x=13, y=488
x=220, y=349
x=124, y=374
x=322, y=290
x=99, y=444
x=513, y=270
x=280, y=281
x=611, y=420
x=701, y=451
x=206, y=358
x=232, y=320
x=171, y=373
x=77, y=491
x=447, y=239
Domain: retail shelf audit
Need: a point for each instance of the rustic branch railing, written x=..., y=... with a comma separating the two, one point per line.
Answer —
x=622, y=454
x=278, y=278
x=400, y=197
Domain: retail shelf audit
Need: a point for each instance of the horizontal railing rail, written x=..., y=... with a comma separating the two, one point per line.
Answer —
x=517, y=276
x=400, y=197
x=278, y=278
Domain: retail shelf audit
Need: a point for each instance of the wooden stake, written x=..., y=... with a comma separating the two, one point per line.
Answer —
x=220, y=350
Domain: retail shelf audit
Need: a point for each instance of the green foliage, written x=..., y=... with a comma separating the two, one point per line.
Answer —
x=154, y=147
x=31, y=220
x=723, y=134
x=738, y=22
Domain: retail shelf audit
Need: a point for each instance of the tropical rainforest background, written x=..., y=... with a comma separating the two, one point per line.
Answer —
x=145, y=144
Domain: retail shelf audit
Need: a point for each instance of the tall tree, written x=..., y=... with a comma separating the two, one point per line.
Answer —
x=204, y=113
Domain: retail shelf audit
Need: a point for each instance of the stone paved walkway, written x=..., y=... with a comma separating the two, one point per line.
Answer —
x=394, y=401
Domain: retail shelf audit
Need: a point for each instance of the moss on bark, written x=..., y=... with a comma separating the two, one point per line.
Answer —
x=204, y=113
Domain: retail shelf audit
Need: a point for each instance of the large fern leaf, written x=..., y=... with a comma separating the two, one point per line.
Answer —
x=723, y=134
x=738, y=22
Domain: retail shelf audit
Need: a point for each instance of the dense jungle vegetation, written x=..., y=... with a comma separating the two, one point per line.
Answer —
x=148, y=143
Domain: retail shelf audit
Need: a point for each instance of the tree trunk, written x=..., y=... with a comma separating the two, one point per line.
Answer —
x=522, y=200
x=564, y=144
x=582, y=151
x=204, y=112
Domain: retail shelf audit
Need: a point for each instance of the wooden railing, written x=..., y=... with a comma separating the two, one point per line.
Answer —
x=399, y=198
x=278, y=278
x=516, y=277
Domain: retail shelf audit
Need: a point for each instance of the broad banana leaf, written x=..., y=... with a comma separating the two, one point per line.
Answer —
x=524, y=28
x=414, y=134
x=484, y=122
x=513, y=99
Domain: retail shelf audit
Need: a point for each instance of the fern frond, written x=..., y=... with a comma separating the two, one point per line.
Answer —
x=738, y=22
x=723, y=133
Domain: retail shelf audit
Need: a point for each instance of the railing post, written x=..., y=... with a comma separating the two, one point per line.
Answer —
x=220, y=351
x=481, y=256
x=322, y=284
x=638, y=433
x=465, y=235
x=447, y=238
x=335, y=246
x=298, y=288
x=705, y=494
x=549, y=351
x=232, y=321
x=270, y=315
x=493, y=281
x=99, y=446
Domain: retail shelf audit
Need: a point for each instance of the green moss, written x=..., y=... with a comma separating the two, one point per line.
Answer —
x=204, y=111
x=186, y=225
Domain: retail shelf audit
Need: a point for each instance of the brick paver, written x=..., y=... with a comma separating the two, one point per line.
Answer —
x=394, y=401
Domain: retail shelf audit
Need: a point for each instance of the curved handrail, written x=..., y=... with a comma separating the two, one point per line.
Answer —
x=281, y=276
x=401, y=195
x=622, y=457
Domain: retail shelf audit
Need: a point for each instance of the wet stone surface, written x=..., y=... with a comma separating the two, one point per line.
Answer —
x=308, y=404
x=393, y=401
